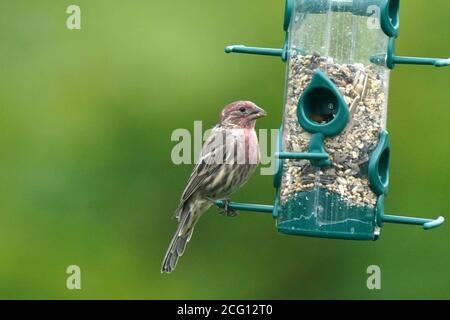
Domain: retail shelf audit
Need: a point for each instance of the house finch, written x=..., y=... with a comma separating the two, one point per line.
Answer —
x=229, y=157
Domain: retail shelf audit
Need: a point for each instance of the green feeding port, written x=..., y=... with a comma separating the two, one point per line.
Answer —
x=321, y=106
x=383, y=167
x=390, y=17
x=389, y=59
x=394, y=12
x=378, y=170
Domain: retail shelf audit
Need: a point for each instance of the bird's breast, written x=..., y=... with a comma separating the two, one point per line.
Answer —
x=252, y=147
x=245, y=147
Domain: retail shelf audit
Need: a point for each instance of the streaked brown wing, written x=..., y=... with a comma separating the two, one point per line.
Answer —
x=207, y=165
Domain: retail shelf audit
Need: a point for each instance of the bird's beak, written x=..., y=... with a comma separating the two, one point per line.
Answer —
x=258, y=113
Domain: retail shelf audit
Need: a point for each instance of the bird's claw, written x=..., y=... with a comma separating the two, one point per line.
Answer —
x=226, y=210
x=229, y=213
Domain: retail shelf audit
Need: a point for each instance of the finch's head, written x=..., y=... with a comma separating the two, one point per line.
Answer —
x=241, y=114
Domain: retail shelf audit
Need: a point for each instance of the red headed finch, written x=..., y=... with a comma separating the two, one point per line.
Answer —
x=229, y=157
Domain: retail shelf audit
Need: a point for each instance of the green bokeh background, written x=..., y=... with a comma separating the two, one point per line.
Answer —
x=87, y=179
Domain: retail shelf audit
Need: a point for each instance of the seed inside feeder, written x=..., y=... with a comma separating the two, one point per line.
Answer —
x=346, y=179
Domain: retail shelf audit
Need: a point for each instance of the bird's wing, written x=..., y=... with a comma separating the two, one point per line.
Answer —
x=208, y=164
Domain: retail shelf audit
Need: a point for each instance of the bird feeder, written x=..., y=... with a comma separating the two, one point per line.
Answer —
x=333, y=147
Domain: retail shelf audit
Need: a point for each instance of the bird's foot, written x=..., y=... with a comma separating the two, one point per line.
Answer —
x=226, y=210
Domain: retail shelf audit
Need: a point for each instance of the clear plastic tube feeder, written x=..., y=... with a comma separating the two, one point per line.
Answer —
x=333, y=151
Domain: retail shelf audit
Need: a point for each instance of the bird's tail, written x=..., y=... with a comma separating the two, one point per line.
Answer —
x=177, y=245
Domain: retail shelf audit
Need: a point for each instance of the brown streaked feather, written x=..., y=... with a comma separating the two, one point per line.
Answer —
x=205, y=165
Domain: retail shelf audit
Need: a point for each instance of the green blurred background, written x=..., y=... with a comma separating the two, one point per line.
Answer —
x=86, y=176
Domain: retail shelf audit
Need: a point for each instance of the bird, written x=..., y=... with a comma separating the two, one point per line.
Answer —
x=229, y=157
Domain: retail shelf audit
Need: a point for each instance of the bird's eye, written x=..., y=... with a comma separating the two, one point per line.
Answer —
x=242, y=110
